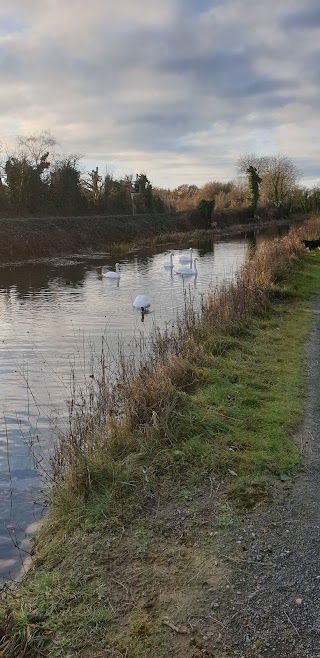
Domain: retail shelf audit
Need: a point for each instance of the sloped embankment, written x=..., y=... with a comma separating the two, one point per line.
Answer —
x=28, y=238
x=36, y=238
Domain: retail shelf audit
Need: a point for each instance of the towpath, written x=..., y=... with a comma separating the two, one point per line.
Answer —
x=271, y=606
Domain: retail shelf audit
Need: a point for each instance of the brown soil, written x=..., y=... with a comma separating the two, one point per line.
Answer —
x=164, y=578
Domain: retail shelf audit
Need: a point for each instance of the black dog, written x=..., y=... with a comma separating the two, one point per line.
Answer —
x=311, y=244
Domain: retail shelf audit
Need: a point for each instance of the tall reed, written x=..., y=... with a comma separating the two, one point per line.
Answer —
x=122, y=415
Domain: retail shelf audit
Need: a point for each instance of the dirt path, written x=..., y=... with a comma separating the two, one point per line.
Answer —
x=271, y=606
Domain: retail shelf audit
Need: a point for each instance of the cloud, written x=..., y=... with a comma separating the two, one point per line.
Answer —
x=307, y=18
x=178, y=88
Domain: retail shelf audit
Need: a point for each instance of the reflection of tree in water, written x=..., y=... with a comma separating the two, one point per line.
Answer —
x=33, y=278
x=259, y=235
x=144, y=253
x=205, y=247
x=72, y=275
x=271, y=232
x=252, y=239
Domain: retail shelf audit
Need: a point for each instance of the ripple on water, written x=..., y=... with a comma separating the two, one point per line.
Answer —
x=49, y=314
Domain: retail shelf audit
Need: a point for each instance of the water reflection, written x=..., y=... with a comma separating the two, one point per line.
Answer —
x=49, y=314
x=259, y=235
x=31, y=279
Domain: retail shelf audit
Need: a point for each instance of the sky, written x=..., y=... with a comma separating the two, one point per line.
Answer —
x=178, y=89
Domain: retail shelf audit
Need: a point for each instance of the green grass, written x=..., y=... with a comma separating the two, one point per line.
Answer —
x=242, y=419
x=307, y=284
x=96, y=559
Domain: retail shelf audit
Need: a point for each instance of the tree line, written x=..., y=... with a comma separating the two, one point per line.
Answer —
x=35, y=180
x=266, y=186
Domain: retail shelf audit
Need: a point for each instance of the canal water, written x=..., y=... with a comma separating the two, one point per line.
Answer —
x=52, y=315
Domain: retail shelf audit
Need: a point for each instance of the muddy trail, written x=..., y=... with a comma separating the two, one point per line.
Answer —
x=270, y=605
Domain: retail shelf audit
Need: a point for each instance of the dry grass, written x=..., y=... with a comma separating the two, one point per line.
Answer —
x=30, y=238
x=155, y=435
x=129, y=414
x=47, y=237
x=310, y=230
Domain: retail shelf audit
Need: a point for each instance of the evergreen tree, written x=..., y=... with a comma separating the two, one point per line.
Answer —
x=27, y=190
x=254, y=181
x=65, y=189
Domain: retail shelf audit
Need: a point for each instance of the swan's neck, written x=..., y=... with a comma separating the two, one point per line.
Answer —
x=117, y=268
x=195, y=266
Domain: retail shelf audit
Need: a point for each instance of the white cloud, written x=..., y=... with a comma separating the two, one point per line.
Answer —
x=163, y=86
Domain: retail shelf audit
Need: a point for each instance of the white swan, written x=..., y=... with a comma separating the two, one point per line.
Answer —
x=112, y=275
x=169, y=263
x=186, y=258
x=188, y=271
x=141, y=301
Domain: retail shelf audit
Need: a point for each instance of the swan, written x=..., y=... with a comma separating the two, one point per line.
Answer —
x=169, y=263
x=186, y=258
x=188, y=271
x=112, y=275
x=141, y=301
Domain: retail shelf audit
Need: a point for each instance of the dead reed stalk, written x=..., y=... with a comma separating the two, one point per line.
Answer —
x=117, y=416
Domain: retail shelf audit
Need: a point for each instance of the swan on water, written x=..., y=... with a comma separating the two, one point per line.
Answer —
x=141, y=301
x=186, y=258
x=112, y=275
x=188, y=271
x=169, y=263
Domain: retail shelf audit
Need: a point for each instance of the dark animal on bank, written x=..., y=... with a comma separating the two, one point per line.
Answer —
x=311, y=244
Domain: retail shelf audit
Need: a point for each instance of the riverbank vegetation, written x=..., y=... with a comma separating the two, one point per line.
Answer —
x=155, y=463
x=38, y=181
x=35, y=238
x=50, y=206
x=42, y=238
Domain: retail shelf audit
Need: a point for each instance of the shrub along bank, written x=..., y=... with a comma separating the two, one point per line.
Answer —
x=213, y=410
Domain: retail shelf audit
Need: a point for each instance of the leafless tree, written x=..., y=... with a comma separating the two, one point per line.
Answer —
x=259, y=162
x=280, y=179
x=35, y=147
x=278, y=173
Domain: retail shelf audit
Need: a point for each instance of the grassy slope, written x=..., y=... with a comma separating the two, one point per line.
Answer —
x=47, y=237
x=104, y=583
x=34, y=238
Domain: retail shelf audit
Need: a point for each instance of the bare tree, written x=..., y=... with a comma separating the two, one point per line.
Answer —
x=259, y=162
x=280, y=180
x=278, y=177
x=35, y=147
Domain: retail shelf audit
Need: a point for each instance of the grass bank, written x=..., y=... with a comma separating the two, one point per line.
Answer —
x=37, y=238
x=126, y=557
x=33, y=238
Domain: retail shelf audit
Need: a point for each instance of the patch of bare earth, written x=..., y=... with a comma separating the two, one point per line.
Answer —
x=161, y=576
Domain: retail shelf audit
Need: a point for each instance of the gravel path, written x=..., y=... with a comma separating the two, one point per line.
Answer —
x=271, y=607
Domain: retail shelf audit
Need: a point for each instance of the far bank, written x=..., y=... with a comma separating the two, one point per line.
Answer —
x=33, y=238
